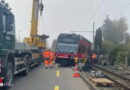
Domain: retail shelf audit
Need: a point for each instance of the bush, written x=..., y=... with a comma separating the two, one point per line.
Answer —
x=128, y=46
x=118, y=54
x=121, y=57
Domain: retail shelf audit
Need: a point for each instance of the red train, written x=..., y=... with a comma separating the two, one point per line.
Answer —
x=71, y=45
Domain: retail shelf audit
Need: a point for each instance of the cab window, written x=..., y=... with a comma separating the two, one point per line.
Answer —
x=0, y=18
x=4, y=23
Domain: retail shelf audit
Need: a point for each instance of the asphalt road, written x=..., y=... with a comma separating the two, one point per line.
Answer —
x=58, y=78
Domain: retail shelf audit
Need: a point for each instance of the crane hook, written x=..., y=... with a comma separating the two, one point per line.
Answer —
x=41, y=7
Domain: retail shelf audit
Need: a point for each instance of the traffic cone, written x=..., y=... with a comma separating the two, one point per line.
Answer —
x=76, y=74
x=1, y=83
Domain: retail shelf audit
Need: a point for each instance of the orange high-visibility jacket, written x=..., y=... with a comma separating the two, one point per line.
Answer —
x=46, y=54
x=94, y=56
x=51, y=55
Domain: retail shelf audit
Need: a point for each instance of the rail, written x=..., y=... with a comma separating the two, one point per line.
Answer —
x=120, y=80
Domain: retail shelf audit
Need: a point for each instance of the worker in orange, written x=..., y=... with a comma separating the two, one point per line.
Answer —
x=76, y=60
x=94, y=57
x=46, y=55
x=51, y=58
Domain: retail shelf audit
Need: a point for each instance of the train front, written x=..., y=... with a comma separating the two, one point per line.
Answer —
x=66, y=49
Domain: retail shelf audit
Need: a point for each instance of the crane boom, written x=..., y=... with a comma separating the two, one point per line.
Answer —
x=34, y=21
x=35, y=39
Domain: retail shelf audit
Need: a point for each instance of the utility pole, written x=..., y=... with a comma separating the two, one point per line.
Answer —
x=93, y=33
x=19, y=35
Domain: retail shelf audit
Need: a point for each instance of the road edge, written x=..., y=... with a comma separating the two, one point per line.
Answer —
x=88, y=82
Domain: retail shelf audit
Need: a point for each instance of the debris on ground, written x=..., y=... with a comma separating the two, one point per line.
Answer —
x=97, y=74
x=84, y=67
x=102, y=81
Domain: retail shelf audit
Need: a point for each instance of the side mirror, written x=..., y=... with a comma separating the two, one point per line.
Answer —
x=9, y=27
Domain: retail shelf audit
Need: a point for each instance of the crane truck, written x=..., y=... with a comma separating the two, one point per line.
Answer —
x=15, y=57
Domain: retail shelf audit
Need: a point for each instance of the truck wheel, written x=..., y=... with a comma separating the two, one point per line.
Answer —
x=25, y=72
x=9, y=75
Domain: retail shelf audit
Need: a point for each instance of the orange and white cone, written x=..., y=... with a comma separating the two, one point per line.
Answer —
x=76, y=74
x=1, y=83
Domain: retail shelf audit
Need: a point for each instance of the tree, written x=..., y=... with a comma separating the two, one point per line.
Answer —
x=107, y=46
x=98, y=40
x=121, y=27
x=128, y=48
x=109, y=31
x=114, y=31
x=127, y=38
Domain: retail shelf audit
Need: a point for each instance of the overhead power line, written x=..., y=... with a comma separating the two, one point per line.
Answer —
x=98, y=9
x=110, y=8
x=80, y=31
x=88, y=9
x=127, y=6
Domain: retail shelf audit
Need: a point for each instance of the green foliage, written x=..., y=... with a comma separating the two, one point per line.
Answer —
x=98, y=40
x=116, y=40
x=121, y=57
x=107, y=47
x=127, y=39
x=128, y=48
x=109, y=30
x=121, y=27
x=118, y=54
x=115, y=30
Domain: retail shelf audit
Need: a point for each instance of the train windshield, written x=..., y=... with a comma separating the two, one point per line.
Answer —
x=66, y=48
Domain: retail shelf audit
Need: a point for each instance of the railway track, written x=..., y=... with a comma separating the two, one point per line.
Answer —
x=120, y=81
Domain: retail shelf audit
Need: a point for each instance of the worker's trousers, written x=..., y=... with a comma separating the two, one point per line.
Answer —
x=51, y=62
x=46, y=63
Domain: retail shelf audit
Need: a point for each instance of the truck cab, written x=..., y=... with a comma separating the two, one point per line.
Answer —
x=7, y=30
x=7, y=39
x=12, y=61
x=15, y=57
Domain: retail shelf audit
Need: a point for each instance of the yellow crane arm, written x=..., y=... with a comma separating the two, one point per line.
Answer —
x=34, y=39
x=34, y=21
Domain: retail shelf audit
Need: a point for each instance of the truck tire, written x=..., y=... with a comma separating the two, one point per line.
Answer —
x=9, y=75
x=25, y=72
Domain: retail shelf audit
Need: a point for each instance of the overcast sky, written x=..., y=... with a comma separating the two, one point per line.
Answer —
x=64, y=16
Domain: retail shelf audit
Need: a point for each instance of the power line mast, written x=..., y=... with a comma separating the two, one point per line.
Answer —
x=93, y=34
